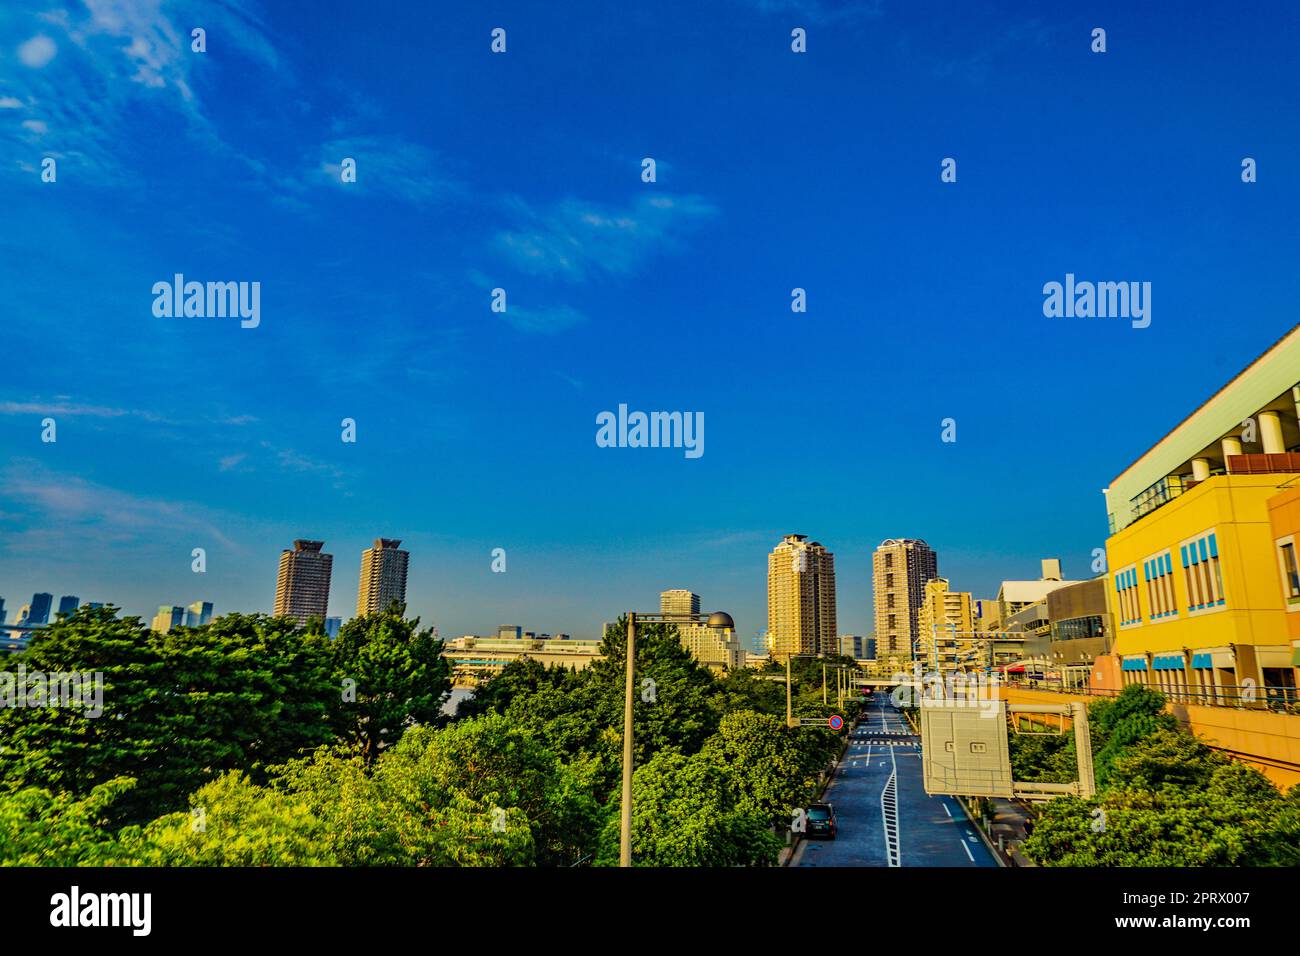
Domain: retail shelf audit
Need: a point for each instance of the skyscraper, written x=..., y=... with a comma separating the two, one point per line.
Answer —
x=801, y=598
x=900, y=568
x=68, y=603
x=40, y=608
x=198, y=614
x=2, y=610
x=302, y=588
x=679, y=602
x=383, y=576
x=168, y=616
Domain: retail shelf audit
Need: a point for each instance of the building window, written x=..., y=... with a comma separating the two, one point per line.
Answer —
x=1290, y=571
x=1201, y=572
x=1126, y=592
x=1158, y=573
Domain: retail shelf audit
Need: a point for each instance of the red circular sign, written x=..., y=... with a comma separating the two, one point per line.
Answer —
x=836, y=722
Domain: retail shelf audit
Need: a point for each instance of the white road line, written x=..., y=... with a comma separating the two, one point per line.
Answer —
x=967, y=849
x=946, y=810
x=889, y=815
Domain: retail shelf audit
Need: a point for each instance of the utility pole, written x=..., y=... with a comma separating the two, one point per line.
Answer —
x=823, y=683
x=789, y=712
x=625, y=827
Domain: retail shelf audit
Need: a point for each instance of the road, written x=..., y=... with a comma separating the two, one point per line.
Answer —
x=885, y=816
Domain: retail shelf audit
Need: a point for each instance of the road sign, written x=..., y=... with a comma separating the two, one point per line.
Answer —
x=836, y=722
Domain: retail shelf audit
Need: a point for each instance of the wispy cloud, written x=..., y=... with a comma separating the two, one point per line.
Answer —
x=390, y=167
x=575, y=239
x=821, y=11
x=84, y=70
x=73, y=508
x=545, y=320
x=64, y=407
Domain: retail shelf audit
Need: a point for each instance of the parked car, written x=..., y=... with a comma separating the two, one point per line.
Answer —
x=819, y=820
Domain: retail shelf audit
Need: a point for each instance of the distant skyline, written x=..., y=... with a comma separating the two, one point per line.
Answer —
x=477, y=430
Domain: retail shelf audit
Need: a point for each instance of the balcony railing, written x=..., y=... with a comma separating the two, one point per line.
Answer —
x=1263, y=464
x=1161, y=493
x=1281, y=700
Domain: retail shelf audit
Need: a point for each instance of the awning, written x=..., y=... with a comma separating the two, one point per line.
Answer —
x=1167, y=662
x=1201, y=660
x=1134, y=664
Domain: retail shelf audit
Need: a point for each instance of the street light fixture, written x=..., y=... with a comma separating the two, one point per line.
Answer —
x=719, y=619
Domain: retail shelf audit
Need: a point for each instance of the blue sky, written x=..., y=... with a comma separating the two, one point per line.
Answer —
x=522, y=171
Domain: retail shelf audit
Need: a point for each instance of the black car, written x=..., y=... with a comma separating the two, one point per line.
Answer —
x=819, y=821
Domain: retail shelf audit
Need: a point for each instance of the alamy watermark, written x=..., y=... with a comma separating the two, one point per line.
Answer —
x=653, y=430
x=978, y=691
x=209, y=300
x=60, y=689
x=1102, y=300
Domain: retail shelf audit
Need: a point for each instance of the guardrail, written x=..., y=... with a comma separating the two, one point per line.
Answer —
x=1282, y=700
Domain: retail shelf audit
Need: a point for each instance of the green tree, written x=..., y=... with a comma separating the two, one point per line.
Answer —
x=233, y=821
x=40, y=828
x=479, y=793
x=492, y=762
x=771, y=773
x=1171, y=801
x=389, y=675
x=685, y=813
x=244, y=692
x=1120, y=723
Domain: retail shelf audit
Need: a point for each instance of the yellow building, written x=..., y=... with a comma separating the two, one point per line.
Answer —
x=945, y=622
x=711, y=640
x=801, y=599
x=1192, y=560
x=1284, y=516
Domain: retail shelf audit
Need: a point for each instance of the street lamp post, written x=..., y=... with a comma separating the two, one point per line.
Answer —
x=718, y=619
x=625, y=824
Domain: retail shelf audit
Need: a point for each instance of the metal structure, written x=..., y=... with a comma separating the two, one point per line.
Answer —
x=978, y=650
x=965, y=750
x=842, y=686
x=716, y=619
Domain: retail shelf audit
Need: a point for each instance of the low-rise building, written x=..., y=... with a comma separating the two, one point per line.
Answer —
x=474, y=658
x=1195, y=572
x=1080, y=628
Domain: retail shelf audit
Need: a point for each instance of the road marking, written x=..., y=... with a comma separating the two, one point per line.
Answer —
x=967, y=849
x=946, y=810
x=889, y=814
x=889, y=818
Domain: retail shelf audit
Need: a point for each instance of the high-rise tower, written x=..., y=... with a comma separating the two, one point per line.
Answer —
x=679, y=602
x=302, y=589
x=383, y=576
x=801, y=598
x=900, y=569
